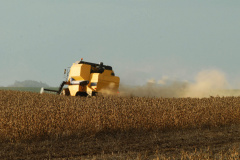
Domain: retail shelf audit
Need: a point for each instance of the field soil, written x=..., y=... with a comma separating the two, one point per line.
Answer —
x=215, y=143
x=47, y=126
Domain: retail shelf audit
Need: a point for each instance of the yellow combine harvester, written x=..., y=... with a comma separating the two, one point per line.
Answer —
x=85, y=78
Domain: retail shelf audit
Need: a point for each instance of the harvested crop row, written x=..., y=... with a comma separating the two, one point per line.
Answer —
x=26, y=115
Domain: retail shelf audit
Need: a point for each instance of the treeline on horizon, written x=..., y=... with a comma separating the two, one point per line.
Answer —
x=28, y=83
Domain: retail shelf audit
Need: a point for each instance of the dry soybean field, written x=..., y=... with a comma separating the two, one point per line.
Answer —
x=47, y=126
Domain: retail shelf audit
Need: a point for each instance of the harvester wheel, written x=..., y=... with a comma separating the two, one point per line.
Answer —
x=82, y=94
x=94, y=93
x=65, y=92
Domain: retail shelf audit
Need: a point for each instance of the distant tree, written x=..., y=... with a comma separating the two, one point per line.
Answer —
x=29, y=83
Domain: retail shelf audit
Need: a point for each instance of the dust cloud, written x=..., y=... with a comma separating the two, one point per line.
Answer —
x=112, y=89
x=207, y=83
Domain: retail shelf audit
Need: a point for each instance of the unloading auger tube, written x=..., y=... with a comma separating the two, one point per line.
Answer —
x=81, y=83
x=57, y=91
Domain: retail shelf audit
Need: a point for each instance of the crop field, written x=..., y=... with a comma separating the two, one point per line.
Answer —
x=48, y=126
x=28, y=89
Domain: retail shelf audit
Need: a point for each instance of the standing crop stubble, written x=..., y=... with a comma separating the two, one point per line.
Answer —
x=26, y=115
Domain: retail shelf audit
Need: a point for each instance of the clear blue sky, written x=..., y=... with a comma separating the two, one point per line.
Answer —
x=141, y=39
